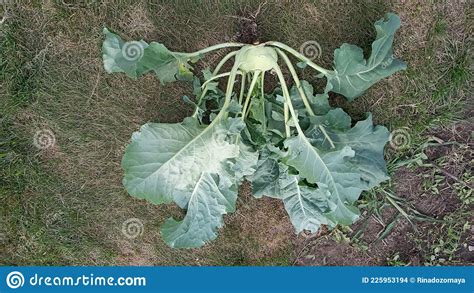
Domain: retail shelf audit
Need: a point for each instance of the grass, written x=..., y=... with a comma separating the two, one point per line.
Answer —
x=66, y=205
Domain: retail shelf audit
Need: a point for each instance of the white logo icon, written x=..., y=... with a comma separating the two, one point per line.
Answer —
x=132, y=228
x=44, y=139
x=132, y=51
x=311, y=50
x=15, y=280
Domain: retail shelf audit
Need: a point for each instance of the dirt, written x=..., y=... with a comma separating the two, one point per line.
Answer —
x=249, y=32
x=274, y=234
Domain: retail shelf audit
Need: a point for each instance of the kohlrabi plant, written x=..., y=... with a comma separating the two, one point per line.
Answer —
x=289, y=143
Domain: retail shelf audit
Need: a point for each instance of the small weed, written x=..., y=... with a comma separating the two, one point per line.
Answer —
x=395, y=261
x=447, y=243
x=463, y=188
x=440, y=27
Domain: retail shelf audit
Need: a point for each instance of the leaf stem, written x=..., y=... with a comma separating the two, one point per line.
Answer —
x=217, y=77
x=249, y=93
x=228, y=93
x=323, y=130
x=209, y=49
x=303, y=94
x=242, y=88
x=300, y=57
x=297, y=81
x=286, y=95
x=286, y=115
x=262, y=100
x=230, y=84
x=214, y=73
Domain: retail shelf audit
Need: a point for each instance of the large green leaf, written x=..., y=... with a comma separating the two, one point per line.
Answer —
x=164, y=161
x=119, y=56
x=246, y=163
x=258, y=111
x=266, y=176
x=364, y=138
x=305, y=205
x=197, y=167
x=341, y=170
x=332, y=171
x=208, y=202
x=353, y=74
x=135, y=58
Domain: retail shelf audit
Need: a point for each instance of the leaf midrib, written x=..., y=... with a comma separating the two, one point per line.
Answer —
x=322, y=162
x=300, y=201
x=199, y=136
